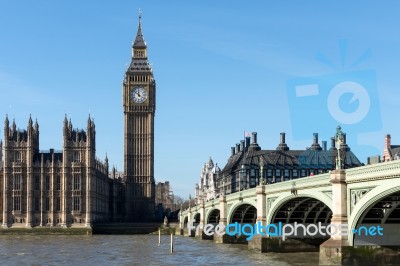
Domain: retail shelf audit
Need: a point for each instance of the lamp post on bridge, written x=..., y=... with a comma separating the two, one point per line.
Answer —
x=261, y=180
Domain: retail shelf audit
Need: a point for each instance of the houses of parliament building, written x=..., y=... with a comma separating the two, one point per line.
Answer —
x=72, y=188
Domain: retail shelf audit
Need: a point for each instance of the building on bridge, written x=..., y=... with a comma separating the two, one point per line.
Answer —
x=248, y=164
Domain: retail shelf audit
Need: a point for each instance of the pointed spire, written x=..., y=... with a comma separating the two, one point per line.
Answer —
x=14, y=126
x=6, y=122
x=36, y=125
x=30, y=122
x=65, y=121
x=70, y=125
x=210, y=162
x=139, y=40
x=89, y=122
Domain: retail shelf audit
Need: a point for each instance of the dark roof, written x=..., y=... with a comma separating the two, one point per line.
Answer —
x=394, y=150
x=299, y=159
x=47, y=156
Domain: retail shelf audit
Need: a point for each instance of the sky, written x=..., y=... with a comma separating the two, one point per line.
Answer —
x=222, y=68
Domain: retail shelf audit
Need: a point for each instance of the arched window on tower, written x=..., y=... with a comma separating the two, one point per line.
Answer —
x=76, y=157
x=17, y=157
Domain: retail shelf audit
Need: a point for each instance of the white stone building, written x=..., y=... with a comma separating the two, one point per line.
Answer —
x=207, y=188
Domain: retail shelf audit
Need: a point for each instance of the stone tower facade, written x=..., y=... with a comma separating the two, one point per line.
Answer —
x=139, y=104
x=68, y=188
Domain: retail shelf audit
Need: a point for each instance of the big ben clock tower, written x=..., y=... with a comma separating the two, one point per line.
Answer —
x=139, y=103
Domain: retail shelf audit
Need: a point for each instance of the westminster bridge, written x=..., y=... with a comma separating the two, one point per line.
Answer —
x=362, y=196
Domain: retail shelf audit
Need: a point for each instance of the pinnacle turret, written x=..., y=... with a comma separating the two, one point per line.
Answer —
x=30, y=122
x=14, y=126
x=6, y=126
x=36, y=126
x=65, y=121
x=89, y=122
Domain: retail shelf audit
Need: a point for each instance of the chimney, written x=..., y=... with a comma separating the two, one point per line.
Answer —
x=315, y=138
x=324, y=145
x=387, y=141
x=242, y=145
x=315, y=145
x=282, y=137
x=232, y=151
x=254, y=134
x=333, y=143
x=282, y=145
x=237, y=147
x=247, y=143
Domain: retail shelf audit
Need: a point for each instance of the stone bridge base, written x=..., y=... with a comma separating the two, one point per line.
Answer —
x=179, y=231
x=273, y=244
x=336, y=252
x=201, y=235
x=190, y=233
x=227, y=239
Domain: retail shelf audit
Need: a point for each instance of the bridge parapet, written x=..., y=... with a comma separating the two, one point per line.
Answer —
x=248, y=193
x=385, y=170
x=301, y=183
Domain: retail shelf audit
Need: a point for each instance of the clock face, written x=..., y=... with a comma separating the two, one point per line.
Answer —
x=138, y=95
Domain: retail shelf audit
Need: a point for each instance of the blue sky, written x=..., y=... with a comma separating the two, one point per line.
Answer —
x=221, y=67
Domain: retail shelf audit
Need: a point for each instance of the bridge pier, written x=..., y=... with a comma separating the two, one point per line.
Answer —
x=222, y=220
x=258, y=242
x=188, y=231
x=337, y=250
x=264, y=244
x=199, y=233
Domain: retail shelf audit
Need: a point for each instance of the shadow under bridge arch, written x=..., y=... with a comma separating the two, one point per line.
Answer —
x=379, y=223
x=304, y=210
x=213, y=217
x=196, y=219
x=244, y=214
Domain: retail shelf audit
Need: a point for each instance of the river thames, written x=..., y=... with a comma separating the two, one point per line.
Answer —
x=134, y=250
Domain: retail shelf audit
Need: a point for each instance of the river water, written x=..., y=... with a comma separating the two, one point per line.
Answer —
x=134, y=250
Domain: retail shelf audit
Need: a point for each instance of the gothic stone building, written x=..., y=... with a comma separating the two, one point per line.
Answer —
x=69, y=188
x=207, y=189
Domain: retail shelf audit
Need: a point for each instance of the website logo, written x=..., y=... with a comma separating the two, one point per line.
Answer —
x=346, y=96
x=284, y=231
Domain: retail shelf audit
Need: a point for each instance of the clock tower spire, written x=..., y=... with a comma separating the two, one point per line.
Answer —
x=139, y=104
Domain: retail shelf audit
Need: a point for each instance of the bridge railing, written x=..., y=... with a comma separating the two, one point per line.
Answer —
x=300, y=183
x=247, y=193
x=384, y=170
